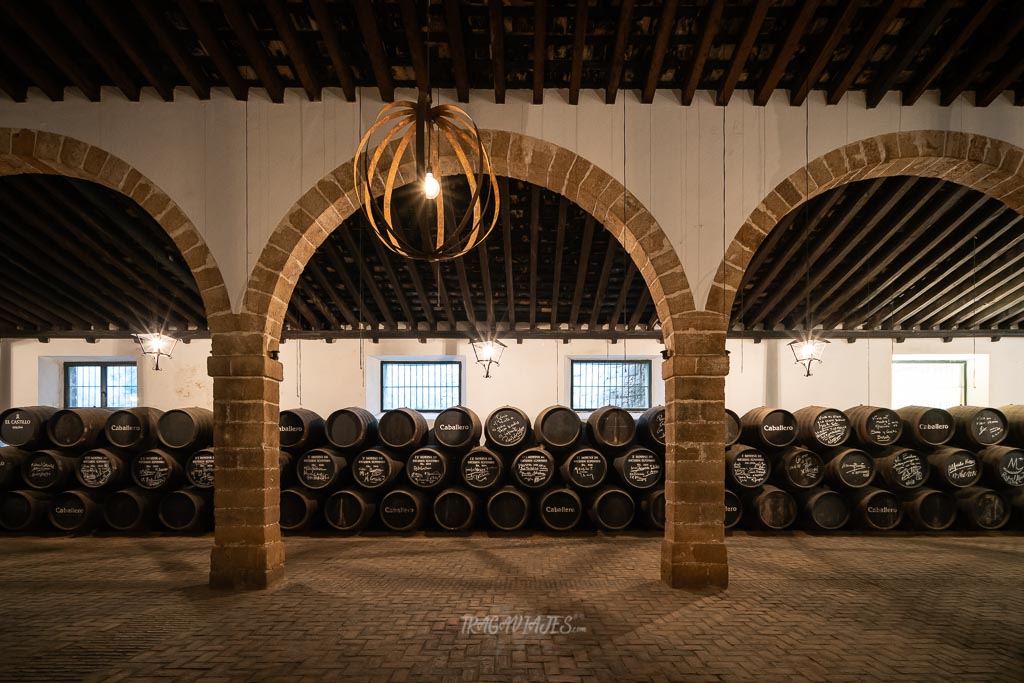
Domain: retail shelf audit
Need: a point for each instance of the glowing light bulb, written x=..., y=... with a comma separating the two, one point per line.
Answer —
x=487, y=352
x=431, y=186
x=807, y=350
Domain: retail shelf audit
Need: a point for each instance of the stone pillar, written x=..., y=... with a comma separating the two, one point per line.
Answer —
x=693, y=551
x=248, y=552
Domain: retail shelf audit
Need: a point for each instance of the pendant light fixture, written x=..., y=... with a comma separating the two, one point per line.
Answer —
x=155, y=344
x=488, y=353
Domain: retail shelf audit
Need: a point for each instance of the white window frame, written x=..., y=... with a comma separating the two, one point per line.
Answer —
x=976, y=369
x=657, y=386
x=374, y=388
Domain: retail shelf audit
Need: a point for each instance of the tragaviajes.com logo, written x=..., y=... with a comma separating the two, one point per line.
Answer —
x=540, y=624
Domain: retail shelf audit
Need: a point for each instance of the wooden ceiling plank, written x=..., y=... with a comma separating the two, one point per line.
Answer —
x=620, y=304
x=602, y=284
x=742, y=51
x=986, y=290
x=183, y=61
x=975, y=62
x=467, y=295
x=414, y=37
x=297, y=53
x=240, y=23
x=581, y=272
x=785, y=52
x=332, y=41
x=215, y=48
x=1008, y=73
x=366, y=17
x=384, y=256
x=485, y=275
x=865, y=48
x=641, y=306
x=37, y=73
x=619, y=51
x=457, y=48
x=931, y=18
x=15, y=307
x=421, y=293
x=126, y=40
x=506, y=229
x=368, y=280
x=1011, y=314
x=303, y=308
x=18, y=92
x=666, y=27
x=25, y=17
x=40, y=299
x=332, y=292
x=710, y=25
x=540, y=48
x=556, y=289
x=68, y=15
x=497, y=27
x=534, y=250
x=333, y=250
x=579, y=46
x=825, y=52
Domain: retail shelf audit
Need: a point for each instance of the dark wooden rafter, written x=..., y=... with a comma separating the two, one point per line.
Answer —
x=620, y=303
x=977, y=62
x=990, y=293
x=485, y=277
x=579, y=46
x=384, y=256
x=742, y=51
x=457, y=46
x=823, y=54
x=183, y=61
x=128, y=42
x=15, y=89
x=581, y=273
x=421, y=292
x=67, y=13
x=25, y=17
x=355, y=292
x=305, y=311
x=666, y=26
x=1007, y=72
x=240, y=23
x=602, y=285
x=367, y=20
x=556, y=289
x=785, y=52
x=710, y=25
x=367, y=279
x=297, y=54
x=540, y=48
x=506, y=233
x=214, y=48
x=926, y=26
x=332, y=293
x=467, y=294
x=641, y=306
x=332, y=42
x=17, y=52
x=497, y=27
x=414, y=37
x=866, y=47
x=618, y=51
x=534, y=249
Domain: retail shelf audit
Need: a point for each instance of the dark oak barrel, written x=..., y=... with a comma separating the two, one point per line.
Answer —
x=874, y=427
x=797, y=469
x=508, y=509
x=650, y=428
x=982, y=508
x=402, y=430
x=1014, y=425
x=301, y=430
x=351, y=429
x=823, y=509
x=640, y=468
x=350, y=510
x=1002, y=466
x=652, y=508
x=321, y=469
x=849, y=468
x=77, y=428
x=929, y=509
x=428, y=468
x=559, y=509
x=733, y=509
x=586, y=468
x=746, y=467
x=26, y=427
x=375, y=469
x=978, y=427
x=612, y=509
x=286, y=462
x=733, y=428
x=926, y=427
x=534, y=468
x=482, y=469
x=455, y=509
x=507, y=430
x=403, y=510
x=133, y=429
x=48, y=470
x=186, y=428
x=771, y=427
x=157, y=470
x=457, y=429
x=900, y=469
x=876, y=509
x=819, y=427
x=102, y=469
x=769, y=507
x=299, y=508
x=558, y=428
x=11, y=461
x=611, y=428
x=187, y=511
x=130, y=509
x=23, y=510
x=199, y=469
x=953, y=467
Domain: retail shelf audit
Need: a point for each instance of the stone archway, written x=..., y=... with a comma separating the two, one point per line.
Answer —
x=249, y=551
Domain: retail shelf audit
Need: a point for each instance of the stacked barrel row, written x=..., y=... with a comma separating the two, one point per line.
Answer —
x=874, y=468
x=77, y=470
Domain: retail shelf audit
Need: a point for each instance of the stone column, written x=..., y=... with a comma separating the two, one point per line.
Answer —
x=693, y=551
x=248, y=552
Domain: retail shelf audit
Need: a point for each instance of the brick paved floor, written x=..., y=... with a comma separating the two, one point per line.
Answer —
x=383, y=608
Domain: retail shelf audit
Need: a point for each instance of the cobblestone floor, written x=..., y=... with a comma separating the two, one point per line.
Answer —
x=383, y=608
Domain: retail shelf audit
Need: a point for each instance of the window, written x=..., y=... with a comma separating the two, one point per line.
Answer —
x=101, y=385
x=624, y=383
x=934, y=383
x=426, y=386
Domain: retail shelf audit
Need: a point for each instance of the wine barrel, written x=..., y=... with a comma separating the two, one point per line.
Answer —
x=769, y=507
x=481, y=469
x=101, y=469
x=375, y=469
x=639, y=468
x=351, y=429
x=560, y=509
x=48, y=470
x=1014, y=425
x=508, y=509
x=133, y=429
x=733, y=428
x=953, y=468
x=200, y=468
x=534, y=468
x=23, y=510
x=428, y=468
x=977, y=427
x=558, y=428
x=350, y=510
x=611, y=428
x=798, y=469
x=982, y=508
x=733, y=509
x=926, y=427
x=186, y=429
x=403, y=510
x=26, y=427
x=286, y=463
x=612, y=509
x=78, y=428
x=301, y=430
x=771, y=427
x=157, y=470
x=457, y=429
x=321, y=469
x=585, y=469
x=929, y=509
x=874, y=427
x=650, y=428
x=849, y=468
x=130, y=509
x=818, y=427
x=507, y=430
x=455, y=509
x=402, y=430
x=187, y=511
x=299, y=508
x=901, y=469
x=746, y=467
x=75, y=511
x=823, y=510
x=875, y=508
x=1002, y=466
x=652, y=507
x=11, y=461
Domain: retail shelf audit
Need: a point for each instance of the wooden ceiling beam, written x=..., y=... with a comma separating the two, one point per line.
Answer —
x=581, y=272
x=303, y=308
x=214, y=48
x=1013, y=310
x=641, y=306
x=579, y=46
x=467, y=295
x=414, y=38
x=540, y=48
x=620, y=304
x=96, y=46
x=865, y=48
x=38, y=74
x=619, y=51
x=366, y=18
x=497, y=26
x=39, y=298
x=183, y=61
x=1007, y=72
x=975, y=62
x=602, y=284
x=332, y=42
x=824, y=53
x=984, y=288
x=785, y=52
x=457, y=48
x=320, y=304
x=710, y=25
x=742, y=51
x=506, y=230
x=19, y=317
x=384, y=256
x=297, y=54
x=334, y=258
x=556, y=289
x=927, y=25
x=367, y=278
x=111, y=18
x=240, y=23
x=446, y=301
x=332, y=292
x=485, y=276
x=54, y=288
x=534, y=250
x=17, y=91
x=666, y=26
x=421, y=292
x=43, y=36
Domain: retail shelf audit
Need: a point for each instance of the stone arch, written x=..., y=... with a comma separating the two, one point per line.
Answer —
x=991, y=166
x=24, y=150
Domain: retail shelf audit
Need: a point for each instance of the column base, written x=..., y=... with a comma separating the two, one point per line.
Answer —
x=701, y=567
x=247, y=567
